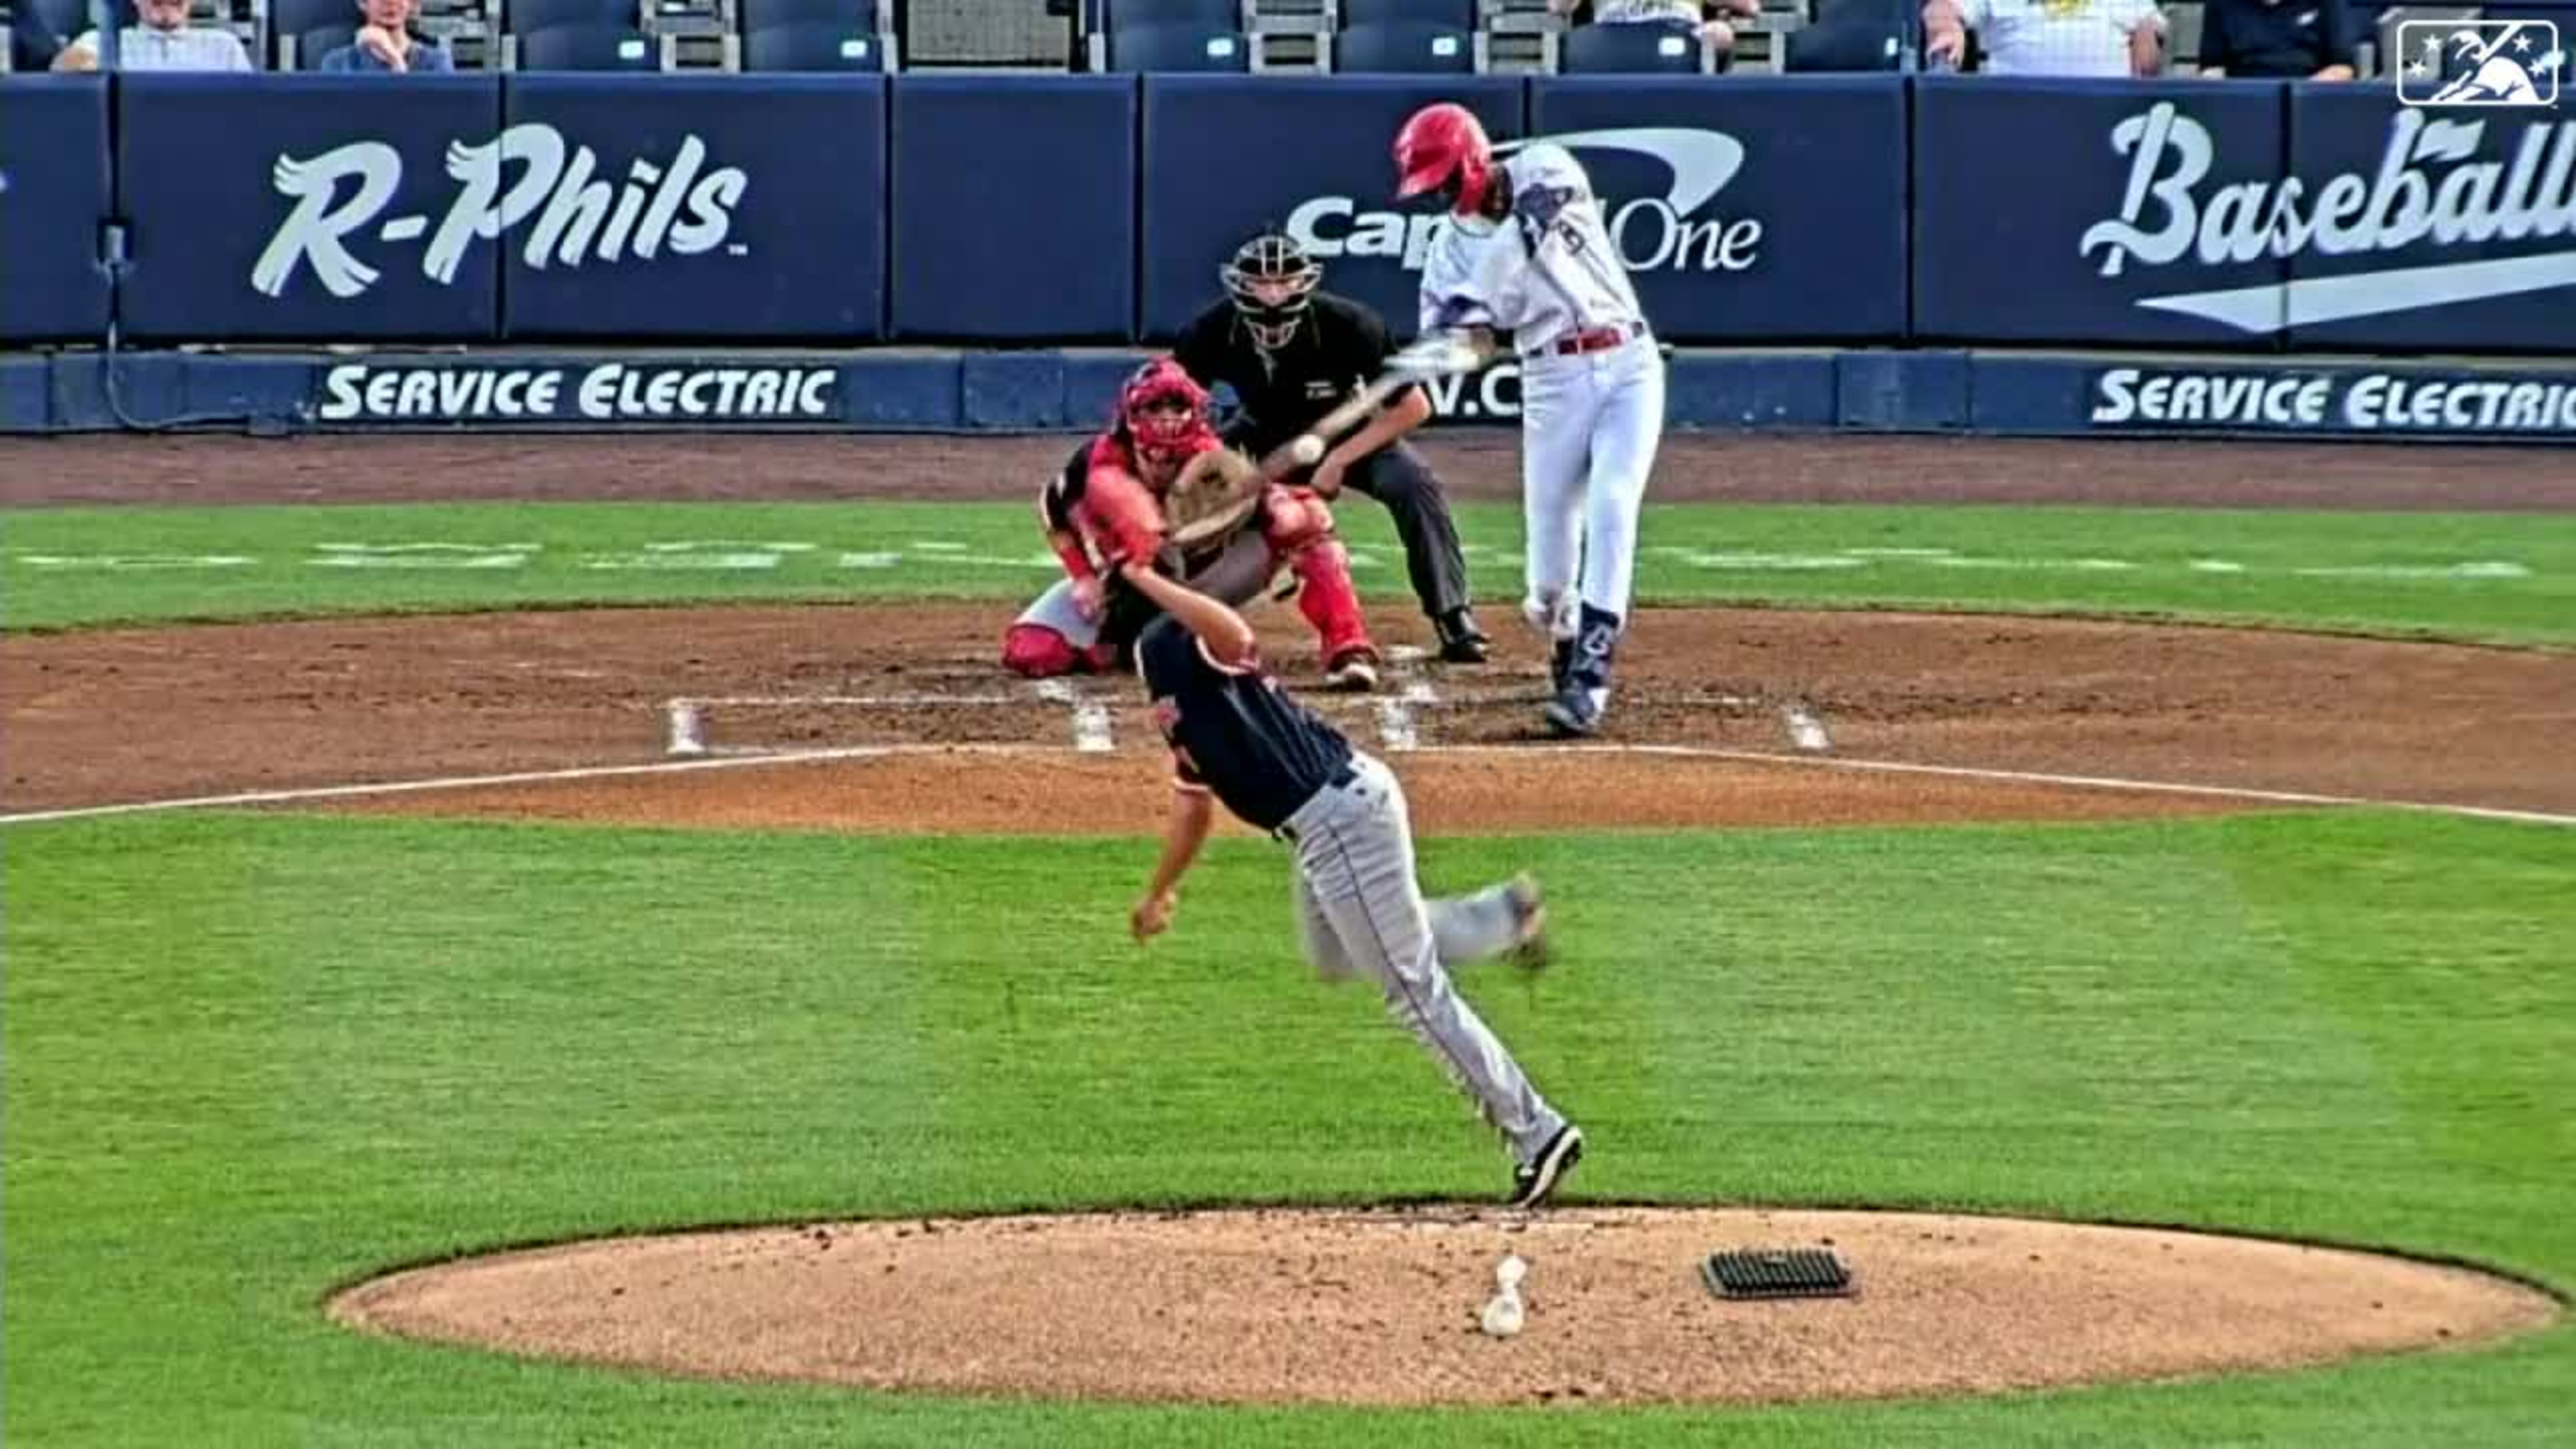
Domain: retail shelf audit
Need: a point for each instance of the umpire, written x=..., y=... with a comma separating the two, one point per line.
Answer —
x=1291, y=353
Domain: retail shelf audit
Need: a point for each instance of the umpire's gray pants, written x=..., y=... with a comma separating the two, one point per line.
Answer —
x=1361, y=908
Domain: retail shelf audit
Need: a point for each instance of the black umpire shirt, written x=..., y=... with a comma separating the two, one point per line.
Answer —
x=1235, y=731
x=1339, y=346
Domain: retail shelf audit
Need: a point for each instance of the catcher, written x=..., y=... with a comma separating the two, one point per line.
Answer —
x=1158, y=483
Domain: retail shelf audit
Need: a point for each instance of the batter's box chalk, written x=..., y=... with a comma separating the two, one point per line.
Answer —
x=1777, y=1273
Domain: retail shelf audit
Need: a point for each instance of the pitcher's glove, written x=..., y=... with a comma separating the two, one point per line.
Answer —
x=1216, y=494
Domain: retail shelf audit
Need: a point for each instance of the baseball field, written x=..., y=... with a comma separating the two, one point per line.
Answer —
x=573, y=941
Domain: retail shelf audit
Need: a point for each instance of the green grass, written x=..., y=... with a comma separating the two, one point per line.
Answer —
x=250, y=1058
x=2486, y=577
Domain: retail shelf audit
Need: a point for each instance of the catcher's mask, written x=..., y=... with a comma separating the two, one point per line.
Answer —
x=1443, y=152
x=1272, y=281
x=1165, y=414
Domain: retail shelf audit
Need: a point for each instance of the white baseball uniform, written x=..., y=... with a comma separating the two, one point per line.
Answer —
x=1592, y=379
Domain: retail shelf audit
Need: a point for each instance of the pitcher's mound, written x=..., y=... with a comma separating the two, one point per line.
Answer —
x=1382, y=1307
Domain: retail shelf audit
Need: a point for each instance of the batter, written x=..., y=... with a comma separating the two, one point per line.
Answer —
x=1523, y=250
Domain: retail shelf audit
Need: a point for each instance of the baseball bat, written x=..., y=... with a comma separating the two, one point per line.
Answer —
x=1440, y=355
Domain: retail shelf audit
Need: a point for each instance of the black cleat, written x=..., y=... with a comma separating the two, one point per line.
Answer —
x=1461, y=642
x=1532, y=1184
x=1576, y=711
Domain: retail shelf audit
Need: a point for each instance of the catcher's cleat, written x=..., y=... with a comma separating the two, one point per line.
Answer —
x=1352, y=670
x=1528, y=950
x=1461, y=642
x=1532, y=1184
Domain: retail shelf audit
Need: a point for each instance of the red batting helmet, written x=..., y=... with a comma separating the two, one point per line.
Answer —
x=1444, y=148
x=1143, y=413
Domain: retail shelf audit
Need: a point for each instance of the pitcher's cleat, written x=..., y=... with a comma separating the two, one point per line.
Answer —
x=1532, y=1184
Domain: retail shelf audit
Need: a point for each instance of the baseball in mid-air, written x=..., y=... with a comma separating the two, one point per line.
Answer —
x=1306, y=450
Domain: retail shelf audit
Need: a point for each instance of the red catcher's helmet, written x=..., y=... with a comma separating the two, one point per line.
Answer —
x=1444, y=148
x=1160, y=437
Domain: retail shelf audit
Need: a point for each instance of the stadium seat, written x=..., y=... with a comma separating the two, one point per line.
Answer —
x=316, y=41
x=1179, y=48
x=527, y=17
x=69, y=19
x=1882, y=14
x=290, y=19
x=1845, y=45
x=587, y=47
x=1452, y=14
x=1126, y=15
x=850, y=17
x=1409, y=47
x=811, y=45
x=1631, y=50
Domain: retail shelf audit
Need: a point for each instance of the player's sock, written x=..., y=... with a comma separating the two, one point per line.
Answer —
x=1596, y=639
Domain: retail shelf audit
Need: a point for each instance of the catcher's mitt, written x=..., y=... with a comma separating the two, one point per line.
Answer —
x=1211, y=499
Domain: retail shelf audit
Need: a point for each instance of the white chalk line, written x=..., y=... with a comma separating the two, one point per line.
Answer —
x=750, y=759
x=1091, y=728
x=1395, y=727
x=449, y=782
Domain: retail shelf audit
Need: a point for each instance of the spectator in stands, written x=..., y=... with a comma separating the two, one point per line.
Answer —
x=32, y=43
x=2299, y=40
x=2049, y=37
x=1705, y=16
x=386, y=43
x=164, y=41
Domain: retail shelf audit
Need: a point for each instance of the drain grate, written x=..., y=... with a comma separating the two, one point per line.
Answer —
x=1777, y=1273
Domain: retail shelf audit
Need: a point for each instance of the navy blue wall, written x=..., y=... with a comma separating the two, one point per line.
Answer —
x=2241, y=216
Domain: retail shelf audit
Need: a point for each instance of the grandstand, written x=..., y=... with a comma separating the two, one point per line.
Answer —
x=1496, y=37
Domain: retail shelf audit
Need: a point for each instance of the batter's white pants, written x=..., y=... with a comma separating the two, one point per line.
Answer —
x=1590, y=424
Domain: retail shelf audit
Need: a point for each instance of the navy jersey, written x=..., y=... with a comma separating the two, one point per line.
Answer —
x=1235, y=732
x=1338, y=347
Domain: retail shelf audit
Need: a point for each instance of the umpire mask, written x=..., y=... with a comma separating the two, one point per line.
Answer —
x=1272, y=281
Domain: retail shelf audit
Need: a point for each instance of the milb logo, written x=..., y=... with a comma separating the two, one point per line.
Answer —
x=2478, y=62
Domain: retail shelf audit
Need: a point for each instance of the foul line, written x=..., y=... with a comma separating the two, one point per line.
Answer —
x=451, y=782
x=1702, y=752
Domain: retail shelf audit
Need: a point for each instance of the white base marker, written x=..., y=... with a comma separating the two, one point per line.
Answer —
x=688, y=730
x=1805, y=730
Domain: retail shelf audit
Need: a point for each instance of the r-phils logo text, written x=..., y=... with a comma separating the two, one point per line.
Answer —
x=1652, y=233
x=2429, y=186
x=579, y=216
